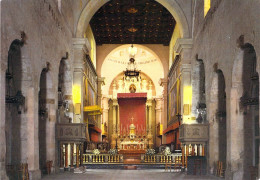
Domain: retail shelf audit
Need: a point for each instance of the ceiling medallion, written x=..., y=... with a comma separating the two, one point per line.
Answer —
x=132, y=29
x=132, y=10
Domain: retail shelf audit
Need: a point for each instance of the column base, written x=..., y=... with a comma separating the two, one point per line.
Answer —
x=80, y=170
x=35, y=174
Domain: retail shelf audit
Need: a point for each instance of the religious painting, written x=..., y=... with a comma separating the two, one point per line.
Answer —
x=174, y=102
x=91, y=96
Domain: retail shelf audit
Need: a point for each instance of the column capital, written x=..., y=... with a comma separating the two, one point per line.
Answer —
x=115, y=103
x=81, y=43
x=183, y=43
x=163, y=81
x=185, y=67
x=101, y=80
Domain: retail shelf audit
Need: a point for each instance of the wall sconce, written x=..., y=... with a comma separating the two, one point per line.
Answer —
x=18, y=99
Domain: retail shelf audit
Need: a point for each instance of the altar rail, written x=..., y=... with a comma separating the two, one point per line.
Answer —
x=159, y=158
x=102, y=158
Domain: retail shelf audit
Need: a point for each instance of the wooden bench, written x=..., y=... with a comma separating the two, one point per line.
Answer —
x=49, y=165
x=220, y=169
x=168, y=165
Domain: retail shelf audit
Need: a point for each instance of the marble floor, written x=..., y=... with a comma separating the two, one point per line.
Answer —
x=108, y=174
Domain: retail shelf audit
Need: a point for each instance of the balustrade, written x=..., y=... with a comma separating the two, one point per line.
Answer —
x=160, y=158
x=102, y=158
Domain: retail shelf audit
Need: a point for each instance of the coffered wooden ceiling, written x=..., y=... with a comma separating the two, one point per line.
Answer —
x=132, y=21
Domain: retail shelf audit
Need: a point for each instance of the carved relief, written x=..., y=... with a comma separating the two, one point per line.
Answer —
x=194, y=132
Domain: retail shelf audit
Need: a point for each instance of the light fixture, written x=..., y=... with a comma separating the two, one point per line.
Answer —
x=132, y=51
x=131, y=70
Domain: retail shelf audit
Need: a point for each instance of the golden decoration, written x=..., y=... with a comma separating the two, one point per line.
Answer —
x=132, y=10
x=132, y=29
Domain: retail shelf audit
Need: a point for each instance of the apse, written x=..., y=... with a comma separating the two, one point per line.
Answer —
x=119, y=58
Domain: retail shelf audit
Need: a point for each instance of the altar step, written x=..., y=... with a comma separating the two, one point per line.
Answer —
x=132, y=161
x=130, y=167
x=122, y=166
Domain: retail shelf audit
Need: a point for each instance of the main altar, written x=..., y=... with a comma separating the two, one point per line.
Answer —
x=132, y=129
x=132, y=141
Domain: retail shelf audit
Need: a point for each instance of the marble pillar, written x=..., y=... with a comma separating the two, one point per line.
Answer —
x=164, y=83
x=149, y=122
x=101, y=82
x=81, y=47
x=158, y=114
x=114, y=135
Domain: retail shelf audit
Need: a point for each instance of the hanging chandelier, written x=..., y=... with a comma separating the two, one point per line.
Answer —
x=131, y=70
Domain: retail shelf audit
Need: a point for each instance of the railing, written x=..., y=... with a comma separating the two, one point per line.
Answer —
x=102, y=158
x=160, y=158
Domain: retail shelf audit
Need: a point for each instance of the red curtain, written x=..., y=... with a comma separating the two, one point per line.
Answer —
x=132, y=109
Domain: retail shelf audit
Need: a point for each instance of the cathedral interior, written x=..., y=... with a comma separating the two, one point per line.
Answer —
x=129, y=84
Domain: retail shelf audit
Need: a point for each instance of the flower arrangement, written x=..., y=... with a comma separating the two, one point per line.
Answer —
x=96, y=151
x=112, y=151
x=167, y=151
x=150, y=152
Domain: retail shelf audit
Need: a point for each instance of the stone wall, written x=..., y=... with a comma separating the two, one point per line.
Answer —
x=215, y=42
x=48, y=36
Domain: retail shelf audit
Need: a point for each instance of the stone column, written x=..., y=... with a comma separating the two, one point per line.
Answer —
x=71, y=154
x=164, y=84
x=114, y=135
x=61, y=155
x=105, y=107
x=158, y=112
x=150, y=135
x=101, y=82
x=81, y=154
x=80, y=47
x=66, y=156
x=32, y=132
x=77, y=155
x=183, y=48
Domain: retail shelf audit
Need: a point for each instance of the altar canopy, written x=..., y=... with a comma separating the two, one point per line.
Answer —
x=132, y=111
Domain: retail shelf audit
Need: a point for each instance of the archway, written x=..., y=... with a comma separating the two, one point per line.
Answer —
x=245, y=91
x=47, y=119
x=14, y=100
x=217, y=121
x=92, y=6
x=118, y=59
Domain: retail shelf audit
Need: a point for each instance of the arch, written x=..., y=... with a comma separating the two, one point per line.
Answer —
x=47, y=118
x=171, y=5
x=143, y=75
x=245, y=94
x=155, y=75
x=217, y=121
x=13, y=114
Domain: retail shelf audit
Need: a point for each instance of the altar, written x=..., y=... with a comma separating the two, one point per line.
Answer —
x=132, y=145
x=132, y=141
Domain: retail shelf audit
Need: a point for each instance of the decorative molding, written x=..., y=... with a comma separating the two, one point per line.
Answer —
x=185, y=68
x=71, y=132
x=68, y=97
x=182, y=43
x=81, y=43
x=163, y=81
x=194, y=133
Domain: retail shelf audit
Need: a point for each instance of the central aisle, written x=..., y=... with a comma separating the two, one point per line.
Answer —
x=98, y=174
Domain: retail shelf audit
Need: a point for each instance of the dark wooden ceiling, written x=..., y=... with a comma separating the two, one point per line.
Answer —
x=132, y=22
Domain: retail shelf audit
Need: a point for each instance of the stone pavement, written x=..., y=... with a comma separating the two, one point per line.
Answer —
x=109, y=174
